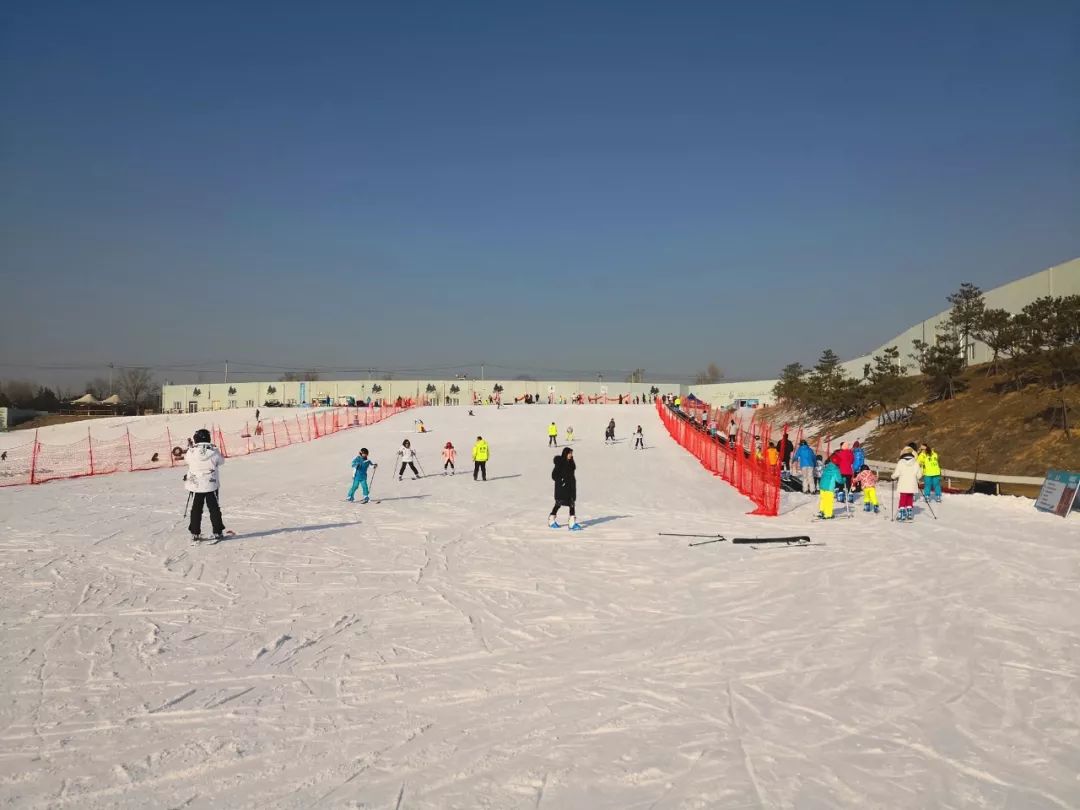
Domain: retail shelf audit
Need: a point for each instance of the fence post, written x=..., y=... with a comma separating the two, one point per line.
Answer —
x=33, y=459
x=90, y=449
x=299, y=429
x=168, y=437
x=131, y=461
x=273, y=426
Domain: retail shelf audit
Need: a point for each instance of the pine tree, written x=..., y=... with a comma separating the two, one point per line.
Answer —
x=942, y=363
x=968, y=306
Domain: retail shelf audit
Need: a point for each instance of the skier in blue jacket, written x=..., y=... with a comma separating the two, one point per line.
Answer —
x=360, y=467
x=860, y=458
x=807, y=460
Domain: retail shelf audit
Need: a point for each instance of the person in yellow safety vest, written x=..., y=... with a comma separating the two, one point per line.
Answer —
x=930, y=465
x=553, y=435
x=678, y=403
x=772, y=456
x=480, y=454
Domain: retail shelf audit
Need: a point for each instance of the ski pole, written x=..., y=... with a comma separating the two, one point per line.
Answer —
x=371, y=481
x=892, y=505
x=670, y=534
x=706, y=542
x=928, y=506
x=186, y=505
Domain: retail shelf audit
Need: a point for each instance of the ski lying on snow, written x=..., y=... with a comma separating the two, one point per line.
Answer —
x=798, y=538
x=790, y=545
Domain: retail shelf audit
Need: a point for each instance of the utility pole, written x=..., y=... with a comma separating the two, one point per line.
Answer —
x=226, y=371
x=111, y=366
x=481, y=372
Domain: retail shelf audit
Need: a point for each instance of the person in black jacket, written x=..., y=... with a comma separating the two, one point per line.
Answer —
x=785, y=448
x=563, y=474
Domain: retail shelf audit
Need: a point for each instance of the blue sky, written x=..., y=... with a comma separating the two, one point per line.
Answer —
x=593, y=186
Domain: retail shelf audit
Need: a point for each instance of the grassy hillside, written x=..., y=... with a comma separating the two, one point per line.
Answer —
x=1010, y=431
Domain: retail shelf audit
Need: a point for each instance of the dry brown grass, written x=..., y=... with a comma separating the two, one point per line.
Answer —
x=1009, y=431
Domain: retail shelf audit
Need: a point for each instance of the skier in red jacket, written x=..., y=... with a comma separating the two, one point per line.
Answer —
x=845, y=460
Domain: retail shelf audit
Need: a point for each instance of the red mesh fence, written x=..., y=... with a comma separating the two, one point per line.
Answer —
x=35, y=462
x=744, y=464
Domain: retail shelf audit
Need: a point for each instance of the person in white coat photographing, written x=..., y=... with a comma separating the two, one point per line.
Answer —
x=203, y=460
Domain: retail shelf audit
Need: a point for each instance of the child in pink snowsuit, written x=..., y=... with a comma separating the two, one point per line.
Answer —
x=449, y=454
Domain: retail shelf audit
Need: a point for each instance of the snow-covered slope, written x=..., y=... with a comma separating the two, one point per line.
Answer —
x=445, y=649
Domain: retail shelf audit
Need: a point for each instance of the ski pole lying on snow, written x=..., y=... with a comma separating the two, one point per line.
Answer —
x=717, y=539
x=670, y=534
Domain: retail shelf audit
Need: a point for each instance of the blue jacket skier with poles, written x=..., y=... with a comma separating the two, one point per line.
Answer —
x=360, y=472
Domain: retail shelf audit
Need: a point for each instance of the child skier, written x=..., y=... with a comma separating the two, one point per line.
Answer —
x=569, y=434
x=819, y=470
x=867, y=481
x=609, y=434
x=203, y=460
x=930, y=464
x=449, y=454
x=907, y=475
x=564, y=476
x=639, y=438
x=360, y=475
x=553, y=435
x=830, y=480
x=857, y=461
x=407, y=457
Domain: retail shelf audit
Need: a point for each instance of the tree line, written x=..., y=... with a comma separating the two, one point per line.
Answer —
x=135, y=386
x=1040, y=345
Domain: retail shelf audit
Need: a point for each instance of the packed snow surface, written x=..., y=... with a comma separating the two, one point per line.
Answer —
x=444, y=648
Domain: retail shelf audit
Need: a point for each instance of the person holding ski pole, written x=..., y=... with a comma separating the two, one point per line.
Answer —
x=867, y=481
x=830, y=480
x=360, y=466
x=204, y=460
x=553, y=435
x=565, y=478
x=407, y=456
x=480, y=454
x=930, y=464
x=844, y=458
x=907, y=475
x=449, y=454
x=639, y=438
x=569, y=434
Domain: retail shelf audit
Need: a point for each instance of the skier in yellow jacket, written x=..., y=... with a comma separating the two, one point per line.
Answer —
x=553, y=435
x=930, y=465
x=480, y=455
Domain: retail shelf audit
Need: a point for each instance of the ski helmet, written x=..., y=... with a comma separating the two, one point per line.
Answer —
x=202, y=436
x=363, y=451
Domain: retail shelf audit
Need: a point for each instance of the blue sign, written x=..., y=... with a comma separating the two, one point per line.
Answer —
x=1058, y=493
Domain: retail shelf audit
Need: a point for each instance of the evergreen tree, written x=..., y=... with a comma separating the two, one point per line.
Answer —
x=1000, y=332
x=942, y=363
x=888, y=385
x=968, y=306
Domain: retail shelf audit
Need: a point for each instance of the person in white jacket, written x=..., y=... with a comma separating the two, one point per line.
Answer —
x=907, y=475
x=407, y=456
x=203, y=460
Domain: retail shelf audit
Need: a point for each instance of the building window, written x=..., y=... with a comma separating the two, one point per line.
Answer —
x=290, y=403
x=193, y=406
x=250, y=403
x=232, y=403
x=178, y=406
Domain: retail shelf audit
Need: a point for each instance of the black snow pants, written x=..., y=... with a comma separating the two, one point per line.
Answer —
x=211, y=501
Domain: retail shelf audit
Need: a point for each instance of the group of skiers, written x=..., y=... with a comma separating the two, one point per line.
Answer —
x=408, y=459
x=846, y=473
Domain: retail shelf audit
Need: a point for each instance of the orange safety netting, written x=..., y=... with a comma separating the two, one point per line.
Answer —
x=35, y=462
x=742, y=463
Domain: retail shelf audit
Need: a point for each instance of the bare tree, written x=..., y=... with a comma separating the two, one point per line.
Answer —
x=710, y=375
x=135, y=384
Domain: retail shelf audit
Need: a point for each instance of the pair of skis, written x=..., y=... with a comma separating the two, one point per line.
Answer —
x=754, y=542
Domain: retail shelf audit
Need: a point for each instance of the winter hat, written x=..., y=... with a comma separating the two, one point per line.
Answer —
x=856, y=444
x=449, y=445
x=364, y=451
x=406, y=443
x=864, y=468
x=202, y=436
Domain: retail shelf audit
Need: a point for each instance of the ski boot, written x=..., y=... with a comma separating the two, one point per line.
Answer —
x=364, y=499
x=399, y=478
x=217, y=538
x=875, y=509
x=575, y=526
x=197, y=538
x=840, y=497
x=552, y=522
x=350, y=500
x=866, y=507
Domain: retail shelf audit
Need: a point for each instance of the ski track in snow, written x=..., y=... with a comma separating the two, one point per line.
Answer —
x=451, y=651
